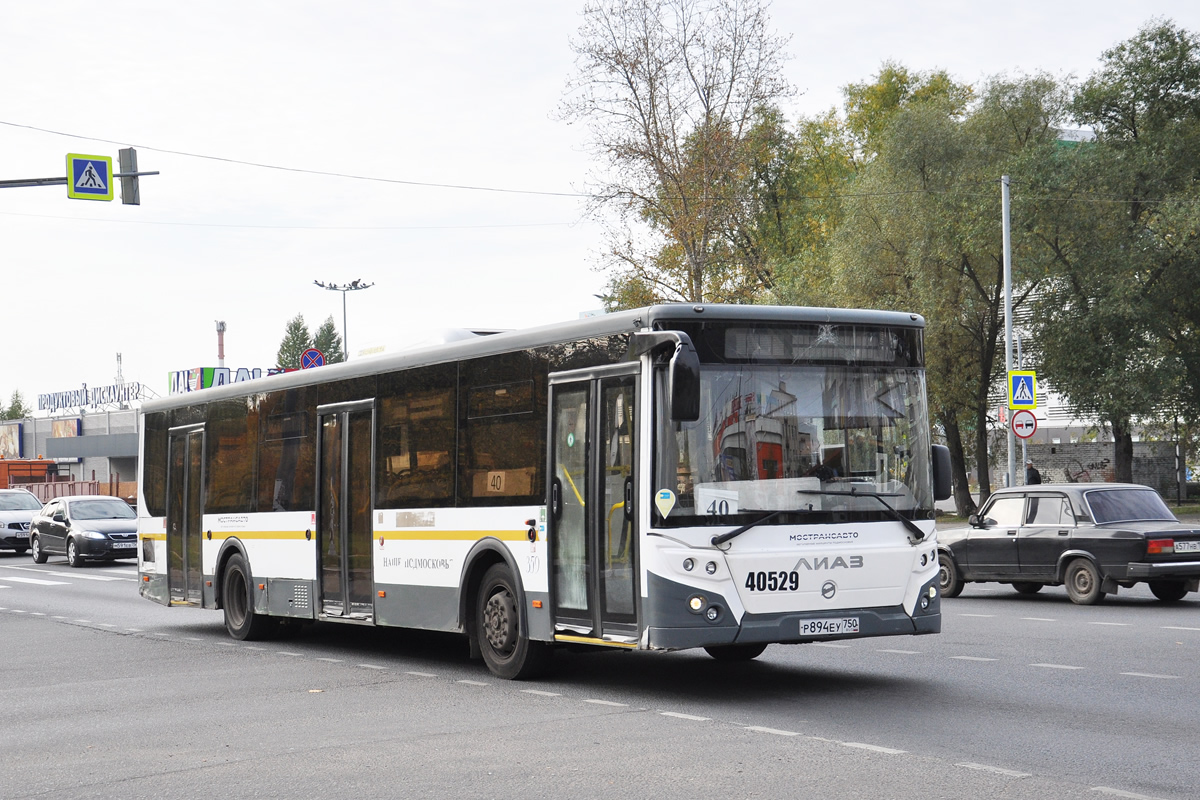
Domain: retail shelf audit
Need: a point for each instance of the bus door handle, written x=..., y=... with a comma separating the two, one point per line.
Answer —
x=556, y=499
x=629, y=497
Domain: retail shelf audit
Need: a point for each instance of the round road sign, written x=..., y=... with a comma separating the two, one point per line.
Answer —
x=312, y=357
x=1024, y=423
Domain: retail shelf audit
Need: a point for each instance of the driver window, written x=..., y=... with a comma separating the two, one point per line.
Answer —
x=1006, y=512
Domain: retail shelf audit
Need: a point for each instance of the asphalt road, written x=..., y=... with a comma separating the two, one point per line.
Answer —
x=103, y=694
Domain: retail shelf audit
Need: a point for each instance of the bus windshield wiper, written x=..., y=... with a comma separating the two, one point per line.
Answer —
x=917, y=533
x=725, y=537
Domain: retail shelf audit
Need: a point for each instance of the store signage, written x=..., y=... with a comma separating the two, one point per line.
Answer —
x=94, y=396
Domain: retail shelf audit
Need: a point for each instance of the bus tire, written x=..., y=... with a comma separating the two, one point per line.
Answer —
x=736, y=652
x=507, y=653
x=1083, y=583
x=238, y=602
x=949, y=578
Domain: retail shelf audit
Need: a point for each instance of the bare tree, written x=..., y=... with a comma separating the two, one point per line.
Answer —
x=669, y=89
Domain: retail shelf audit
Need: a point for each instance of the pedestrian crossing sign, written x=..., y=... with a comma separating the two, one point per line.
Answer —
x=89, y=177
x=1022, y=389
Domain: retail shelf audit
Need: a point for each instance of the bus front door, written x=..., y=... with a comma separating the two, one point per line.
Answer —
x=593, y=540
x=344, y=470
x=185, y=473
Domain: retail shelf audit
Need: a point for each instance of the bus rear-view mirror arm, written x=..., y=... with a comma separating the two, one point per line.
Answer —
x=683, y=369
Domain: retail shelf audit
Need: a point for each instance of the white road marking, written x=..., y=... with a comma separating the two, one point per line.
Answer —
x=35, y=581
x=1149, y=675
x=1055, y=666
x=331, y=660
x=691, y=717
x=422, y=674
x=474, y=683
x=874, y=748
x=1038, y=619
x=607, y=703
x=997, y=770
x=540, y=693
x=1120, y=793
x=971, y=658
x=775, y=731
x=1177, y=628
x=830, y=644
x=286, y=653
x=84, y=577
x=901, y=652
x=371, y=666
x=978, y=615
x=1112, y=624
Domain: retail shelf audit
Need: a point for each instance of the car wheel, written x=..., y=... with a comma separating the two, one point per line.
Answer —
x=507, y=652
x=35, y=547
x=1169, y=591
x=736, y=652
x=73, y=558
x=238, y=604
x=1027, y=587
x=1083, y=583
x=949, y=579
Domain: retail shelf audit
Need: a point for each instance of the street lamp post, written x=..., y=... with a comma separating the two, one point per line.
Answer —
x=353, y=286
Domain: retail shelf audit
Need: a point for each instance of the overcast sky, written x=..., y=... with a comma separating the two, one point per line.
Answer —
x=452, y=93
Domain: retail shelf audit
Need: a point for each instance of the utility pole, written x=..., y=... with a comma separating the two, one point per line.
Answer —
x=1008, y=332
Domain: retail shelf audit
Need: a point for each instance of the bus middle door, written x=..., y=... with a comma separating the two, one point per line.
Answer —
x=185, y=485
x=344, y=532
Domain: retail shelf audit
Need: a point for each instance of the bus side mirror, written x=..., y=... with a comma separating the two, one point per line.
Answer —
x=684, y=383
x=683, y=370
x=943, y=487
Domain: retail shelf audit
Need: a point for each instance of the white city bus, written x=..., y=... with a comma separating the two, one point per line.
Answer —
x=724, y=477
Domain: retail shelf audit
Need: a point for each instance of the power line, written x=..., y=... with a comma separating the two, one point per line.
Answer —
x=350, y=176
x=297, y=227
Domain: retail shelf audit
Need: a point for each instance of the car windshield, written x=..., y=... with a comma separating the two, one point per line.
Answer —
x=101, y=509
x=19, y=501
x=1128, y=505
x=815, y=440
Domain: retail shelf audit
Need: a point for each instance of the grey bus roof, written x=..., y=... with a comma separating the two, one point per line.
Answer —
x=541, y=336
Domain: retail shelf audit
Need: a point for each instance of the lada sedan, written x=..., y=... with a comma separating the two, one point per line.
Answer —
x=1092, y=538
x=83, y=528
x=17, y=507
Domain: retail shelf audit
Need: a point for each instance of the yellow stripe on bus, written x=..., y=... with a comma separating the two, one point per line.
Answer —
x=405, y=536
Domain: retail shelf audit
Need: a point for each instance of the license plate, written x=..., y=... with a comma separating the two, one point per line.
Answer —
x=1187, y=547
x=829, y=627
x=21, y=535
x=123, y=545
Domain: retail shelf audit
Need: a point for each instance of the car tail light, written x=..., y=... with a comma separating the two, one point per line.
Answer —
x=1160, y=547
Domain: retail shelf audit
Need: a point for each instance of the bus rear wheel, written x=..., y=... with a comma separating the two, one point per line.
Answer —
x=507, y=652
x=238, y=603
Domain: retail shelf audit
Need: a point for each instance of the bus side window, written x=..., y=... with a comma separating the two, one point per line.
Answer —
x=416, y=438
x=287, y=450
x=502, y=447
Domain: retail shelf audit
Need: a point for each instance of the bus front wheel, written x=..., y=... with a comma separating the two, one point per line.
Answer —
x=507, y=653
x=238, y=602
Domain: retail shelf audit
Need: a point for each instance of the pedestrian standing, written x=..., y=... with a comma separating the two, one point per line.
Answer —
x=1032, y=476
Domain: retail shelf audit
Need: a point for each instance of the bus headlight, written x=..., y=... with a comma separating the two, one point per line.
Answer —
x=713, y=613
x=696, y=603
x=711, y=568
x=689, y=564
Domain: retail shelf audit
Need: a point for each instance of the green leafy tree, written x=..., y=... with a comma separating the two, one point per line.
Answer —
x=669, y=90
x=296, y=339
x=1117, y=323
x=16, y=408
x=921, y=234
x=329, y=342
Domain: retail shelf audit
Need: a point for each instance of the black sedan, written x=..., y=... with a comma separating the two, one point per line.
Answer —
x=84, y=528
x=1092, y=538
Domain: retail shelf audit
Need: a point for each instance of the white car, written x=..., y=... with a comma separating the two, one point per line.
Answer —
x=17, y=507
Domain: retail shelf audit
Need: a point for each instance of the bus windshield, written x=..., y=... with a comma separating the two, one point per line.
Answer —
x=808, y=439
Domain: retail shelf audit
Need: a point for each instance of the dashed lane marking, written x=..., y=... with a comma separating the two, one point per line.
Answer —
x=34, y=581
x=980, y=616
x=970, y=658
x=1120, y=793
x=1055, y=666
x=1150, y=675
x=473, y=683
x=874, y=748
x=1038, y=619
x=371, y=666
x=607, y=703
x=1008, y=773
x=81, y=576
x=901, y=652
x=773, y=731
x=1112, y=624
x=691, y=717
x=540, y=693
x=1177, y=628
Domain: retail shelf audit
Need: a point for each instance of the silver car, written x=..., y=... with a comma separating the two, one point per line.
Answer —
x=17, y=507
